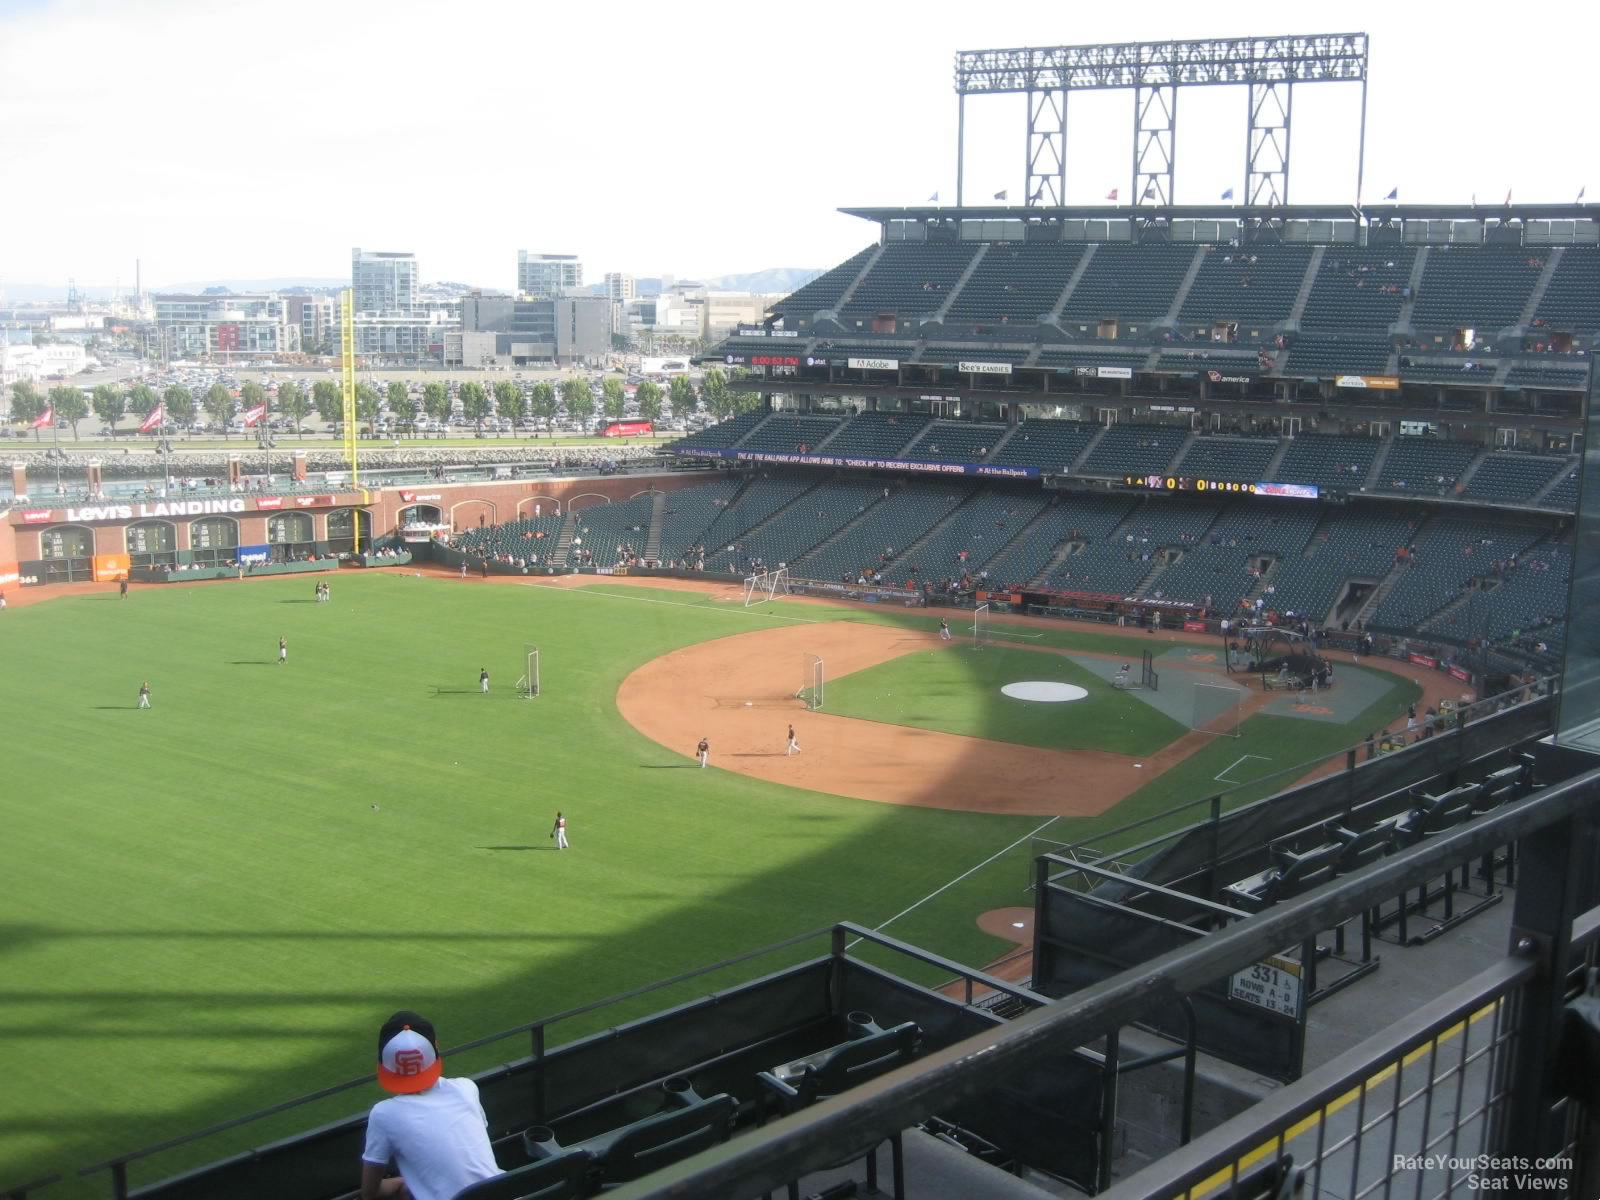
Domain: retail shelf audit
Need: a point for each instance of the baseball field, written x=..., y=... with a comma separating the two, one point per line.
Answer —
x=210, y=905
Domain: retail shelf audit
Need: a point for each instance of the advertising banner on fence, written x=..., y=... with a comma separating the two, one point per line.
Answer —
x=1115, y=372
x=1458, y=673
x=1422, y=660
x=1194, y=626
x=10, y=575
x=984, y=368
x=1386, y=383
x=108, y=567
x=254, y=554
x=873, y=364
x=867, y=464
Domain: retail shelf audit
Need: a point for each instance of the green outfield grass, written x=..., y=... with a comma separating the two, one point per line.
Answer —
x=206, y=914
x=211, y=905
x=957, y=690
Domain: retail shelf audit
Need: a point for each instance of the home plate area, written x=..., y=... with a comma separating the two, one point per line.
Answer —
x=1042, y=691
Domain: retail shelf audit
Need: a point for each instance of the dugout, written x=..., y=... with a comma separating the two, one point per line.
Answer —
x=734, y=1043
x=1098, y=914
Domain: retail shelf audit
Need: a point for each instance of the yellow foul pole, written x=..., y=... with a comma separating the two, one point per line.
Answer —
x=347, y=364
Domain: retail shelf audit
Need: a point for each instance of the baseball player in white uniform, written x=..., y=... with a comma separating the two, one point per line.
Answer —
x=703, y=750
x=794, y=746
x=483, y=681
x=559, y=832
x=283, y=651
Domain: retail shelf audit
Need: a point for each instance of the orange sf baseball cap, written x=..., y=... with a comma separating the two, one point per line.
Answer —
x=408, y=1054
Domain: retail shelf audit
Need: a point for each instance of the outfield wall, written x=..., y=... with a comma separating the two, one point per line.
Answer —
x=103, y=528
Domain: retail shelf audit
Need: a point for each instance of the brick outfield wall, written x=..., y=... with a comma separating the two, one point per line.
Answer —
x=460, y=504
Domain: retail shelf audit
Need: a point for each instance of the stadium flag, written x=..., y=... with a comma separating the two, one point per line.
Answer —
x=157, y=415
x=1112, y=194
x=933, y=199
x=254, y=415
x=1394, y=194
x=1228, y=195
x=1508, y=197
x=1001, y=195
x=1149, y=191
x=46, y=418
x=1583, y=191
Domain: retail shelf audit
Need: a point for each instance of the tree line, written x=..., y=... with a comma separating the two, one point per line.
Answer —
x=543, y=403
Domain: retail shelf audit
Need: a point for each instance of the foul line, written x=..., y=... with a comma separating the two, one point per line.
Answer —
x=703, y=607
x=1025, y=837
x=1218, y=777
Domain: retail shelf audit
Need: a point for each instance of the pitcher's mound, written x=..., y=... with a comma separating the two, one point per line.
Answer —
x=1043, y=691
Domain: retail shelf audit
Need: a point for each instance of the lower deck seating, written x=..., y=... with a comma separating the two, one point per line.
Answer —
x=689, y=512
x=1346, y=547
x=893, y=523
x=612, y=533
x=1116, y=565
x=975, y=533
x=1218, y=570
x=759, y=500
x=822, y=513
x=1445, y=555
x=1066, y=518
x=529, y=540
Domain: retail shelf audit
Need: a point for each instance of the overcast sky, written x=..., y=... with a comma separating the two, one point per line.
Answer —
x=218, y=138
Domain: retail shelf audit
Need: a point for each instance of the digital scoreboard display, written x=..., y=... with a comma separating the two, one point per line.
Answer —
x=1186, y=483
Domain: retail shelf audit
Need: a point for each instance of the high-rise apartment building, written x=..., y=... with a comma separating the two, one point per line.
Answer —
x=546, y=276
x=620, y=288
x=383, y=280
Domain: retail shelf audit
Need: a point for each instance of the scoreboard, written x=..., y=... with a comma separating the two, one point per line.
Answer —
x=1187, y=483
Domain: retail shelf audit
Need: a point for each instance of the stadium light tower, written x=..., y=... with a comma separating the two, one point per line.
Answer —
x=1269, y=66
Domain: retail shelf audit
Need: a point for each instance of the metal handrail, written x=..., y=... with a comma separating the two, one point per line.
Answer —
x=1219, y=1149
x=464, y=1047
x=836, y=932
x=850, y=1124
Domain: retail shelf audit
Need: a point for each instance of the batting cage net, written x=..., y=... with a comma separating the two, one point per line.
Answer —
x=813, y=682
x=528, y=685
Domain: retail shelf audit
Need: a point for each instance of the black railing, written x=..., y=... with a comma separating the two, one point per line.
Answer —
x=1553, y=826
x=1415, y=1108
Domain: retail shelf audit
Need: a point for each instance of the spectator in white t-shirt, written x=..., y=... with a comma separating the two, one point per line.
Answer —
x=434, y=1131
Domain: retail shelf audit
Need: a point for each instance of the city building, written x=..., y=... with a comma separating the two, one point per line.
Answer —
x=52, y=360
x=620, y=288
x=224, y=327
x=567, y=330
x=383, y=280
x=413, y=336
x=546, y=276
x=318, y=319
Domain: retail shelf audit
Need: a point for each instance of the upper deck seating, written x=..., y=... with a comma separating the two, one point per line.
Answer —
x=1047, y=444
x=1358, y=289
x=1015, y=284
x=1135, y=450
x=1483, y=288
x=1251, y=286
